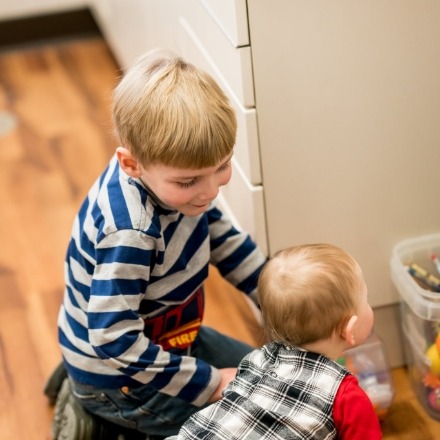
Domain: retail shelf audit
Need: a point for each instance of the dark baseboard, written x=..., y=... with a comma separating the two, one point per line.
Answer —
x=42, y=28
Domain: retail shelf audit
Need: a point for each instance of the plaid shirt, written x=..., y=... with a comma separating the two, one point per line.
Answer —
x=279, y=393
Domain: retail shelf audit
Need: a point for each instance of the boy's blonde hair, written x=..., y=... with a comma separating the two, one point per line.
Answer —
x=168, y=111
x=307, y=292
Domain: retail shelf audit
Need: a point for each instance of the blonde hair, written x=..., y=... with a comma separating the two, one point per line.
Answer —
x=307, y=292
x=167, y=111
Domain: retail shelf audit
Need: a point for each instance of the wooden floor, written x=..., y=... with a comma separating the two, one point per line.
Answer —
x=55, y=138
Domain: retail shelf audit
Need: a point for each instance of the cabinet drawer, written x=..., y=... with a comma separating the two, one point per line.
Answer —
x=235, y=64
x=231, y=16
x=245, y=204
x=247, y=148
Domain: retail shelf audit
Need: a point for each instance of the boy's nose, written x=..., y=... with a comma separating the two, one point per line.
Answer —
x=210, y=190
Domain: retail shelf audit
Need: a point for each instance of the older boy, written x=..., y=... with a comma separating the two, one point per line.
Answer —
x=130, y=326
x=314, y=304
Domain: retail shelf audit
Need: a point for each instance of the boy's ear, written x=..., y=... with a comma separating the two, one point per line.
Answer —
x=127, y=162
x=348, y=332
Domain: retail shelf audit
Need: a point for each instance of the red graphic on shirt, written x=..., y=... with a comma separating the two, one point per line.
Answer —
x=172, y=329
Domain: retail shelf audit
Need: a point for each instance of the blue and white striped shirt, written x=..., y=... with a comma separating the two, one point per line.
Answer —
x=131, y=259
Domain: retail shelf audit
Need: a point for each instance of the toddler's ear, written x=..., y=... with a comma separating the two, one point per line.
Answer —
x=127, y=162
x=348, y=332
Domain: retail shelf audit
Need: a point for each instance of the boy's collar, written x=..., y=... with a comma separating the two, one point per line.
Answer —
x=153, y=196
x=142, y=185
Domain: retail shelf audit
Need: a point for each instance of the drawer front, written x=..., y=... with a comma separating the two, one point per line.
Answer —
x=245, y=204
x=235, y=64
x=231, y=16
x=247, y=146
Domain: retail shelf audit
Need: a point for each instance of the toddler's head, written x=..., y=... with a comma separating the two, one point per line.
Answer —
x=309, y=292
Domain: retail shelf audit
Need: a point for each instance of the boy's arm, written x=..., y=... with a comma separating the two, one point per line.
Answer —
x=227, y=375
x=234, y=253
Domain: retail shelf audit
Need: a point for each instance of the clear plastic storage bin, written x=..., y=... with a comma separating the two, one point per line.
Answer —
x=420, y=306
x=371, y=368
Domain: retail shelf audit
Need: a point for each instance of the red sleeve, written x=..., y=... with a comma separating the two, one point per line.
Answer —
x=354, y=414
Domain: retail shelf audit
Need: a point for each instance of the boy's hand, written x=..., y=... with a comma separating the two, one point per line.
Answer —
x=226, y=376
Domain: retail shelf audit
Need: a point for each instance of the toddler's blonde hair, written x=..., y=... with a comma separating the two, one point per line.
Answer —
x=307, y=292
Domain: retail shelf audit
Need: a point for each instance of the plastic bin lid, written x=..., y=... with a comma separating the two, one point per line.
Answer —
x=424, y=303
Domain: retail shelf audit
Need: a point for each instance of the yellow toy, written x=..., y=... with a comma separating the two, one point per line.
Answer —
x=433, y=354
x=432, y=379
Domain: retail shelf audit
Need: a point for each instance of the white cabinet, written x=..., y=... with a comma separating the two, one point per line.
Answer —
x=231, y=16
x=126, y=25
x=348, y=103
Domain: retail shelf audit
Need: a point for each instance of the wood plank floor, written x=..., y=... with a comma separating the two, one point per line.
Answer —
x=55, y=138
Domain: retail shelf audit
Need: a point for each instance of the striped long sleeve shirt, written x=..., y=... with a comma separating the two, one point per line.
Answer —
x=134, y=274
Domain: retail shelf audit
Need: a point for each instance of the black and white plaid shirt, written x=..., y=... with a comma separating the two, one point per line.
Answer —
x=279, y=393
